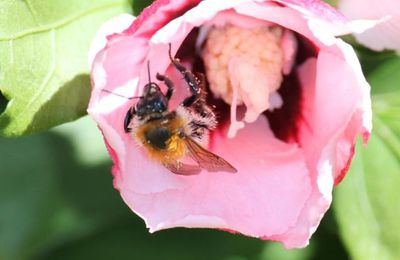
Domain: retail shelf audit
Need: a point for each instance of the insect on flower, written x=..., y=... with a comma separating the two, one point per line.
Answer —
x=168, y=136
x=288, y=160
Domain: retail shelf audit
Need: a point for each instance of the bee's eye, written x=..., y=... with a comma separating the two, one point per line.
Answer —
x=159, y=106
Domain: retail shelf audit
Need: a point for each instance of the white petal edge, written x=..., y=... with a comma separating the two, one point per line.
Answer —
x=116, y=24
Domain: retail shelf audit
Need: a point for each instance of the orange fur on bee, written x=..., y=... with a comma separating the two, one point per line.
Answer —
x=176, y=147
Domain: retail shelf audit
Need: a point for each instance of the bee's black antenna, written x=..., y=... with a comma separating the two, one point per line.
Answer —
x=148, y=70
x=119, y=95
x=169, y=51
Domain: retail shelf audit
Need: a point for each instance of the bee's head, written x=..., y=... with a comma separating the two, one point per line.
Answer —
x=152, y=101
x=151, y=89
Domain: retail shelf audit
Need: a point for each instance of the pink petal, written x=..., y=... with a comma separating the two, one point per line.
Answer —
x=386, y=35
x=281, y=190
x=317, y=8
x=289, y=46
x=117, y=24
x=254, y=202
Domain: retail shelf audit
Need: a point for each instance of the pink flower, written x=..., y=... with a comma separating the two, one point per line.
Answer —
x=386, y=35
x=288, y=116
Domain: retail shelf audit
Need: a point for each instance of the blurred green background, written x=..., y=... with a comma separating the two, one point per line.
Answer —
x=57, y=199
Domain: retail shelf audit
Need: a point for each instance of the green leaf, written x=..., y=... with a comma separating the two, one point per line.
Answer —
x=385, y=83
x=367, y=202
x=385, y=79
x=332, y=2
x=138, y=6
x=370, y=60
x=44, y=73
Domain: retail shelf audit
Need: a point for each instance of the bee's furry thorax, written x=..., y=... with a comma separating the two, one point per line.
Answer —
x=163, y=134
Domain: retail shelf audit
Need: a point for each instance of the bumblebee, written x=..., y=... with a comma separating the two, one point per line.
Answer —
x=169, y=136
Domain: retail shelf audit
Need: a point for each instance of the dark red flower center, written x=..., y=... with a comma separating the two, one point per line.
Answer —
x=284, y=121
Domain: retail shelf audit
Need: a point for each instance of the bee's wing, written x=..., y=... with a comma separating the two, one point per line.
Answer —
x=206, y=159
x=182, y=168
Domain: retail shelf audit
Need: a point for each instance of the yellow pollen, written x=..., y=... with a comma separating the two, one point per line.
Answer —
x=176, y=147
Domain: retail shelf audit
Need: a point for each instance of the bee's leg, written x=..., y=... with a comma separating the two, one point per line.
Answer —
x=189, y=78
x=167, y=82
x=128, y=118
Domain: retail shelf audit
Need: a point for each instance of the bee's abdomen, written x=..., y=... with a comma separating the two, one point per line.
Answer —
x=158, y=137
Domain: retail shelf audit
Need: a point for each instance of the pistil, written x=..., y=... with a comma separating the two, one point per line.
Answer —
x=246, y=67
